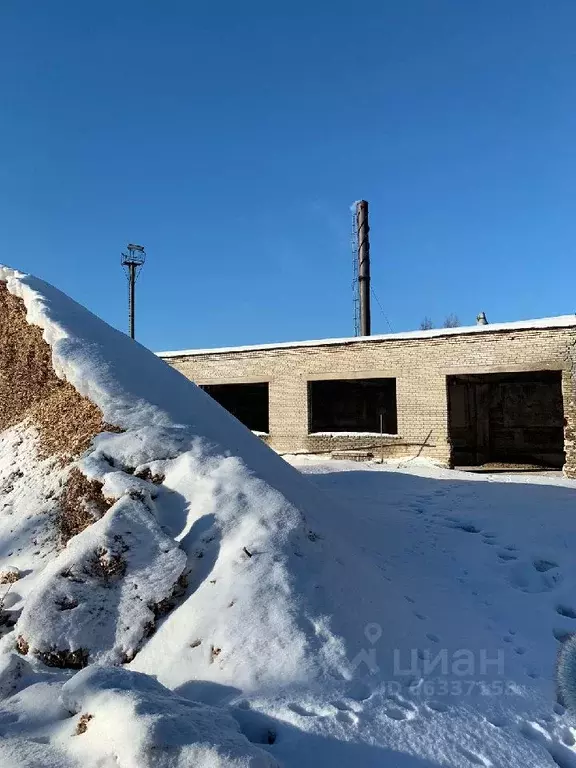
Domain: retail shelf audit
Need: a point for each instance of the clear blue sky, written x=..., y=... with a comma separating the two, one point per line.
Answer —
x=230, y=138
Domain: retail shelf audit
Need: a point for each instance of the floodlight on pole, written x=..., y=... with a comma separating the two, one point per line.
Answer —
x=133, y=261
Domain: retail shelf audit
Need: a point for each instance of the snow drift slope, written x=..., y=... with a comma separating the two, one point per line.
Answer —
x=203, y=520
x=231, y=503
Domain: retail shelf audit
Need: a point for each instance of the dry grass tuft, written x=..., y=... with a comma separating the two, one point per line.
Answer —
x=29, y=388
x=146, y=474
x=64, y=659
x=82, y=726
x=9, y=577
x=54, y=658
x=106, y=565
x=22, y=645
x=81, y=503
x=214, y=653
x=65, y=603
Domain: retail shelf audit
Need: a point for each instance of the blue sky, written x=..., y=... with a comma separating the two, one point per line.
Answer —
x=230, y=138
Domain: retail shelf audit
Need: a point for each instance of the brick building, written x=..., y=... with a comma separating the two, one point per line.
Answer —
x=500, y=393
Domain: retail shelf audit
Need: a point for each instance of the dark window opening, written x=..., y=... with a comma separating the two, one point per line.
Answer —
x=508, y=418
x=248, y=402
x=353, y=405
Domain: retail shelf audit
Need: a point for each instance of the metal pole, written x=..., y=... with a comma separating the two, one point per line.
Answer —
x=131, y=297
x=363, y=266
x=133, y=261
x=381, y=437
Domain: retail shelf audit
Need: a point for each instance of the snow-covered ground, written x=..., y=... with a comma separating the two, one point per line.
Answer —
x=478, y=588
x=454, y=664
x=228, y=609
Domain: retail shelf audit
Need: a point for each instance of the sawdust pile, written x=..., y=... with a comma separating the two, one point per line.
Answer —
x=29, y=388
x=81, y=504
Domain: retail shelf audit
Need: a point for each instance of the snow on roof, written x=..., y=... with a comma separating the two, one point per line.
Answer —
x=561, y=321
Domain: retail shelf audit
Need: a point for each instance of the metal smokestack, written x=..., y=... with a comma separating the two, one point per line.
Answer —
x=363, y=241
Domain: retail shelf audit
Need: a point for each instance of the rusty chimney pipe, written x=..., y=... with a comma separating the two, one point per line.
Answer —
x=363, y=241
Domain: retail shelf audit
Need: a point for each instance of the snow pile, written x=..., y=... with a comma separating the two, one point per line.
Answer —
x=129, y=719
x=29, y=488
x=177, y=521
x=99, y=598
x=221, y=501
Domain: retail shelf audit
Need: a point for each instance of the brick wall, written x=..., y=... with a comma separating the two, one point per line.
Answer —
x=420, y=367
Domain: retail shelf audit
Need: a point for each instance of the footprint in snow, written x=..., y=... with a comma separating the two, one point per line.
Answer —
x=437, y=706
x=567, y=737
x=257, y=727
x=432, y=637
x=341, y=705
x=299, y=710
x=395, y=713
x=498, y=721
x=397, y=708
x=562, y=754
x=566, y=611
x=562, y=634
x=466, y=527
x=534, y=577
x=347, y=717
x=506, y=556
x=358, y=691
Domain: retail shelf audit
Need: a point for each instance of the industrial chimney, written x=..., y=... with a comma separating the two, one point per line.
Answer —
x=363, y=241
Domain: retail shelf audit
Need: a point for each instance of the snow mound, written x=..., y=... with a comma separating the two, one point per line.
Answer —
x=131, y=719
x=99, y=598
x=181, y=545
x=196, y=491
x=25, y=753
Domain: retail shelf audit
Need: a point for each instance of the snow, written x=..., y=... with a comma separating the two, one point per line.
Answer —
x=28, y=487
x=121, y=566
x=336, y=613
x=137, y=722
x=561, y=321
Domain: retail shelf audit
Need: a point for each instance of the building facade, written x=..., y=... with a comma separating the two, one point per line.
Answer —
x=490, y=394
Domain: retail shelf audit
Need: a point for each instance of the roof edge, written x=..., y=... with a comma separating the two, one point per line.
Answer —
x=561, y=321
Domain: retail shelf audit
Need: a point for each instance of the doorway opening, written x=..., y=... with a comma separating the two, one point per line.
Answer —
x=506, y=418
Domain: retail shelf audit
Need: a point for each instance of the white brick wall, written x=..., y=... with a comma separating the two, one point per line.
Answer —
x=420, y=367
